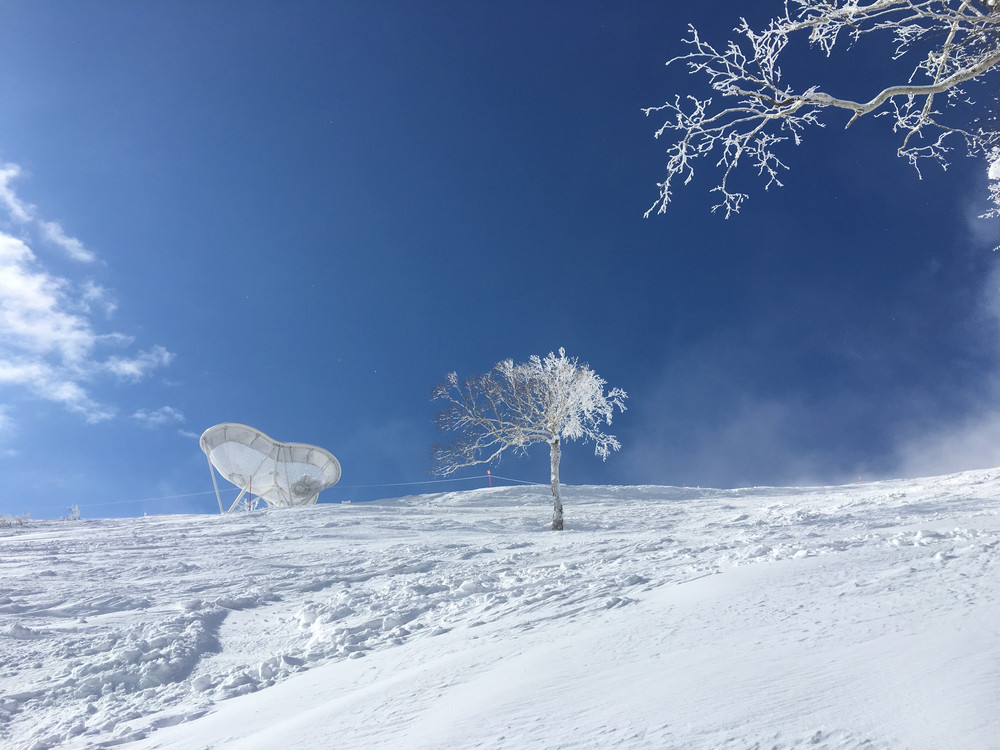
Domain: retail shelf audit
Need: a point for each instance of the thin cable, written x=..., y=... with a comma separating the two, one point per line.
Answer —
x=148, y=499
x=342, y=486
x=407, y=484
x=519, y=481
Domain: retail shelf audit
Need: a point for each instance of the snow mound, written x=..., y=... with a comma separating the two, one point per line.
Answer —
x=830, y=617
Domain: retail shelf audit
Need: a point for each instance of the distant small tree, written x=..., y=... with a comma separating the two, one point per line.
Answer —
x=6, y=521
x=74, y=513
x=548, y=399
x=951, y=44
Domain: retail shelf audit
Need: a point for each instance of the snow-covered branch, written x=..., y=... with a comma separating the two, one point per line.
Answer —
x=951, y=43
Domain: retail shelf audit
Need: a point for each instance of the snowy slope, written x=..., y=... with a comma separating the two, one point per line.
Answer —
x=835, y=617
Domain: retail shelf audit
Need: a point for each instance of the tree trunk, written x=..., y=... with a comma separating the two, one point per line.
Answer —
x=557, y=509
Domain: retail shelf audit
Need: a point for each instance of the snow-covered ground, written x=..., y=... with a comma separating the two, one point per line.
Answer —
x=864, y=616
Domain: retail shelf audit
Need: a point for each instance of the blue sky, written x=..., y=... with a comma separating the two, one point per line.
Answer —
x=303, y=215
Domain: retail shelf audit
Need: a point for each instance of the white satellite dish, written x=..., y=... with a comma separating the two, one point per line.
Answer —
x=265, y=469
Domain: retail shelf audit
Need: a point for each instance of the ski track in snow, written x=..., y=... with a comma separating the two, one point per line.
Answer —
x=478, y=623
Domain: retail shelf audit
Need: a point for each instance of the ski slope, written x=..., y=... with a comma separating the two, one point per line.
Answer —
x=864, y=616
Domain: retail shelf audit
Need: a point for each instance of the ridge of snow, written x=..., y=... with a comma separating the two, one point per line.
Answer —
x=662, y=617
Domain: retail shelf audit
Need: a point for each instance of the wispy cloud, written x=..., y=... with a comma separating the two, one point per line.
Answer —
x=49, y=344
x=964, y=439
x=755, y=441
x=95, y=295
x=53, y=383
x=54, y=233
x=134, y=369
x=973, y=442
x=158, y=418
x=25, y=213
x=18, y=210
x=35, y=306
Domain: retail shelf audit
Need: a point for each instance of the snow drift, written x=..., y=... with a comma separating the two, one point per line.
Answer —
x=833, y=617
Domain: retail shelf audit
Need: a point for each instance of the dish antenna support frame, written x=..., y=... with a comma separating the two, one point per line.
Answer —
x=286, y=474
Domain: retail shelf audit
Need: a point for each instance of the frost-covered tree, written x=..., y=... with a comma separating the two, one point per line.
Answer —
x=7, y=521
x=941, y=48
x=550, y=399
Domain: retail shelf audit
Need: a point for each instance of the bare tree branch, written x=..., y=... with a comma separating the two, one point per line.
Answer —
x=951, y=43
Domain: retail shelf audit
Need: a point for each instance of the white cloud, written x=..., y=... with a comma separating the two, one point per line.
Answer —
x=96, y=295
x=967, y=438
x=53, y=383
x=140, y=366
x=34, y=306
x=74, y=397
x=53, y=232
x=972, y=443
x=25, y=213
x=49, y=345
x=162, y=416
x=19, y=211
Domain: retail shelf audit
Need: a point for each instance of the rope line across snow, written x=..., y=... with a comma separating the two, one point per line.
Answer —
x=343, y=486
